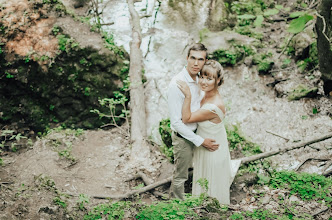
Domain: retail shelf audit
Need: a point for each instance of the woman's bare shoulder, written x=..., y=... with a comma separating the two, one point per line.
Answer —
x=220, y=104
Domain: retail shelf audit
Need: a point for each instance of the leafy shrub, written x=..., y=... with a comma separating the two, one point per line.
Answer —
x=59, y=202
x=297, y=25
x=171, y=209
x=166, y=136
x=115, y=210
x=261, y=214
x=248, y=31
x=307, y=186
x=82, y=200
x=236, y=140
x=110, y=44
x=10, y=140
x=232, y=55
x=264, y=62
x=66, y=43
x=247, y=7
x=309, y=61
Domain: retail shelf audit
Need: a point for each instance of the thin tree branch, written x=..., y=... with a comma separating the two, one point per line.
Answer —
x=324, y=26
x=287, y=139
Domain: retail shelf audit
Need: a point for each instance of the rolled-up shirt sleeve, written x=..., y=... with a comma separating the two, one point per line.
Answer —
x=175, y=101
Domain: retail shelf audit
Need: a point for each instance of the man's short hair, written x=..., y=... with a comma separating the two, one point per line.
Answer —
x=198, y=47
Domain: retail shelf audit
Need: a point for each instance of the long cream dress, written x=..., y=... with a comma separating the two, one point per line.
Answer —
x=216, y=166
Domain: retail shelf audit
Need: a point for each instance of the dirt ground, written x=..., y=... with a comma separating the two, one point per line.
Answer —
x=98, y=165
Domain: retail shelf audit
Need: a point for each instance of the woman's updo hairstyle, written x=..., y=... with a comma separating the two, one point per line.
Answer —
x=214, y=69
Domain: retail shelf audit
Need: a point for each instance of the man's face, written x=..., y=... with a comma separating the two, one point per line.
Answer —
x=196, y=60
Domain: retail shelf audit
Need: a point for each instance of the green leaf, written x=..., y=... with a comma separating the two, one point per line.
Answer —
x=296, y=14
x=279, y=7
x=297, y=25
x=304, y=5
x=259, y=20
x=246, y=16
x=314, y=111
x=271, y=12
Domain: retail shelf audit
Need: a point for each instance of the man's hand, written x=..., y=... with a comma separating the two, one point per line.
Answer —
x=210, y=144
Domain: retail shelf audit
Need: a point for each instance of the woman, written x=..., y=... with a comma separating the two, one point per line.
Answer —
x=214, y=166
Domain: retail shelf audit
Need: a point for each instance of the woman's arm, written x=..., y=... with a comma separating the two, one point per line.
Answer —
x=198, y=116
x=187, y=115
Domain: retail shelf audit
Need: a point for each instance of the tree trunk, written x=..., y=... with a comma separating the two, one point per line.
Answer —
x=324, y=45
x=217, y=15
x=140, y=150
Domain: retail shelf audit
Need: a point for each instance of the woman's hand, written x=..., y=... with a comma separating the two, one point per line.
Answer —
x=184, y=88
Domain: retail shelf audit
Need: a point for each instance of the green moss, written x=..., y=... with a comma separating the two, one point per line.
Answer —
x=302, y=91
x=246, y=30
x=264, y=62
x=202, y=33
x=233, y=55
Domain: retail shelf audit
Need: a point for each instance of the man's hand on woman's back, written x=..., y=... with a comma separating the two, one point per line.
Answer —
x=210, y=144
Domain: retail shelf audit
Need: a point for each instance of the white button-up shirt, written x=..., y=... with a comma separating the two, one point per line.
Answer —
x=175, y=102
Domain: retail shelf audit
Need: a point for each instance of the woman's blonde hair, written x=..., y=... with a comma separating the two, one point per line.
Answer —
x=214, y=69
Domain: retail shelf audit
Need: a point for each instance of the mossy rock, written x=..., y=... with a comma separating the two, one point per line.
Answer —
x=65, y=93
x=302, y=91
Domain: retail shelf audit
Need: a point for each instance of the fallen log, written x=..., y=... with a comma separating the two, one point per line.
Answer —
x=245, y=160
x=147, y=182
x=135, y=192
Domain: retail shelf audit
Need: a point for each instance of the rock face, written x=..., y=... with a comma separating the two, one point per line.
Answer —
x=49, y=76
x=224, y=39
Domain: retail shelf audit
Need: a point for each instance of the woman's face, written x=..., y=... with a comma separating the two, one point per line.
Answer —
x=207, y=83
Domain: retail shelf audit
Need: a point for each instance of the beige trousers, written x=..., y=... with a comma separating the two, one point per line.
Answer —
x=183, y=155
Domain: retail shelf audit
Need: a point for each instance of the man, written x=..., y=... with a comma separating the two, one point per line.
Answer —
x=183, y=137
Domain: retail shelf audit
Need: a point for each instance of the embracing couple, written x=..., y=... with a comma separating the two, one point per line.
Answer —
x=199, y=137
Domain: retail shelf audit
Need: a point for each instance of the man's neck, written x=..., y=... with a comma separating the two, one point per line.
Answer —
x=193, y=76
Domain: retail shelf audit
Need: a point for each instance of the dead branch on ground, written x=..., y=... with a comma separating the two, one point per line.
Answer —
x=135, y=192
x=320, y=211
x=147, y=181
x=310, y=158
x=283, y=150
x=287, y=139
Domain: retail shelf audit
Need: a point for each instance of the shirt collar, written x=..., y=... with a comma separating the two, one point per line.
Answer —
x=188, y=77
